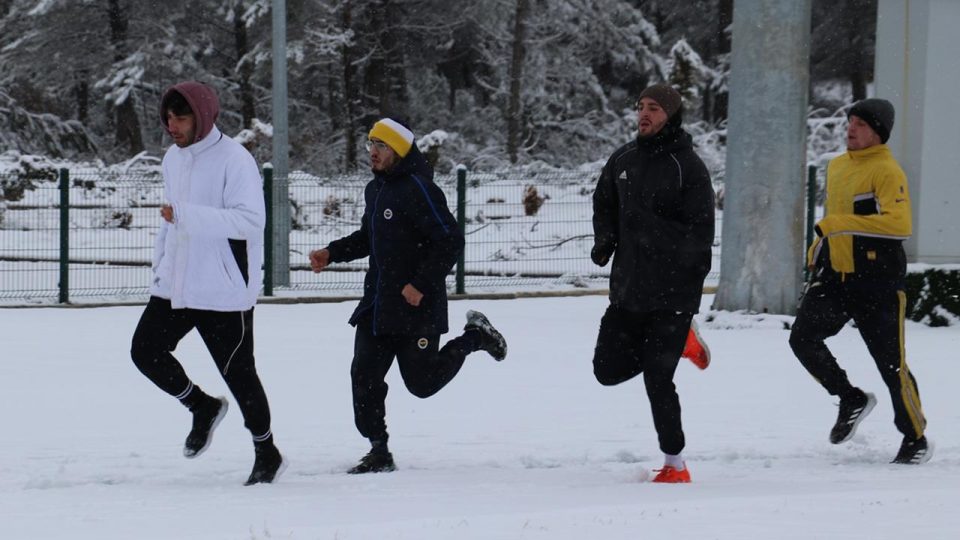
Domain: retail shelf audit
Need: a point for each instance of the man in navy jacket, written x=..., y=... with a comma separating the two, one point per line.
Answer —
x=412, y=241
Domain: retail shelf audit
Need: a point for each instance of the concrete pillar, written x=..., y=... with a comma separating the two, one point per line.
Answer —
x=918, y=71
x=762, y=257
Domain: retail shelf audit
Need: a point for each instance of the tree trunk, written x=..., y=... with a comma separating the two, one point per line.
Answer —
x=127, y=122
x=245, y=71
x=350, y=95
x=720, y=102
x=855, y=22
x=514, y=112
x=81, y=91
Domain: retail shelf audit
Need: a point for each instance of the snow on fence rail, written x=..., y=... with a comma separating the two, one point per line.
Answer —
x=524, y=231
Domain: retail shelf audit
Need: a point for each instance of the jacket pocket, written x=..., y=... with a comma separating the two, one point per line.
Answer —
x=878, y=257
x=229, y=269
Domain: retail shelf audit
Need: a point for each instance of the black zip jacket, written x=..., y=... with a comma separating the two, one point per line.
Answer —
x=411, y=237
x=654, y=210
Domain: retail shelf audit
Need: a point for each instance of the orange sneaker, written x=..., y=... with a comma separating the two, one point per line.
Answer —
x=696, y=349
x=670, y=475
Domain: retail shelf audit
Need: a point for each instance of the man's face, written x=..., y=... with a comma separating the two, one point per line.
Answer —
x=182, y=128
x=382, y=157
x=860, y=135
x=650, y=117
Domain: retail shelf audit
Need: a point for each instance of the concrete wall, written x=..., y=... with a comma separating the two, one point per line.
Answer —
x=918, y=70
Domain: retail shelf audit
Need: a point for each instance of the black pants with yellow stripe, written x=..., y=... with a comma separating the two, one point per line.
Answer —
x=878, y=311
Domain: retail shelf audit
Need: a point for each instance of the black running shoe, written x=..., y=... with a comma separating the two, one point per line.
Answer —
x=490, y=339
x=206, y=416
x=853, y=409
x=267, y=466
x=914, y=451
x=375, y=461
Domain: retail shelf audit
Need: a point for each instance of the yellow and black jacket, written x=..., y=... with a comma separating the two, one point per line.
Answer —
x=867, y=217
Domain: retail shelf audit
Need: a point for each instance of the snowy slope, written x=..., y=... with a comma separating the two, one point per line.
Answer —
x=529, y=448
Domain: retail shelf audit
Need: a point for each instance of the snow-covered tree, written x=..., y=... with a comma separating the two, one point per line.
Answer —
x=689, y=75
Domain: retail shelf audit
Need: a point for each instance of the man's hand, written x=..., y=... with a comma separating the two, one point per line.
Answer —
x=166, y=211
x=411, y=295
x=319, y=259
x=601, y=253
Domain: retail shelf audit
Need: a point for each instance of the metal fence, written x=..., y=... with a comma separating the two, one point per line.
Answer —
x=89, y=235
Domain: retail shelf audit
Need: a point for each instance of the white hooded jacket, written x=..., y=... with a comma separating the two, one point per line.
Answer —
x=210, y=257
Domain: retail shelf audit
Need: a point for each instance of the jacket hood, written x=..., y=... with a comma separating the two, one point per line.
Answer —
x=414, y=163
x=671, y=137
x=202, y=100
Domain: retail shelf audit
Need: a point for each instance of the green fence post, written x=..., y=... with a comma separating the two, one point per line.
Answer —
x=811, y=212
x=64, y=296
x=268, y=231
x=461, y=222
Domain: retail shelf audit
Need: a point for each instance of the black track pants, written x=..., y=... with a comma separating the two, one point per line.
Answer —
x=648, y=343
x=878, y=312
x=425, y=370
x=229, y=338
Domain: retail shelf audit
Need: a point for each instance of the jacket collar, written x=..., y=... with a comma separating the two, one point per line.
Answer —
x=877, y=150
x=413, y=164
x=672, y=137
x=203, y=144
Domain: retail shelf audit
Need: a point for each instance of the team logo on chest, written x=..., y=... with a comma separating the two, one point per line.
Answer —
x=423, y=342
x=388, y=214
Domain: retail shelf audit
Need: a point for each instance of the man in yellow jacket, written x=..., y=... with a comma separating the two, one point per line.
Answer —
x=858, y=267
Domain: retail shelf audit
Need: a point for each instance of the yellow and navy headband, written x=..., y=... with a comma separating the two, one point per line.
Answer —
x=397, y=137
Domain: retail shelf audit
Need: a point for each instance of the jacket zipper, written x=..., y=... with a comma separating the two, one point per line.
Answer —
x=373, y=253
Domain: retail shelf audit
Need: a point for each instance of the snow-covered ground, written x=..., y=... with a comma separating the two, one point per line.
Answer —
x=531, y=448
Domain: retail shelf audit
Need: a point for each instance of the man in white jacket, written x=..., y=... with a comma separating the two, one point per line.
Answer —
x=207, y=273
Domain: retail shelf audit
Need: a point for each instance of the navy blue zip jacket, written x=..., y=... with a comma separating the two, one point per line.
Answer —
x=411, y=237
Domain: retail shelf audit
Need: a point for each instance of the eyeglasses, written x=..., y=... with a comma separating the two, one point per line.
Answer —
x=379, y=145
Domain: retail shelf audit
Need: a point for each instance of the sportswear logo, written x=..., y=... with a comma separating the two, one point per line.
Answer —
x=388, y=214
x=900, y=200
x=422, y=343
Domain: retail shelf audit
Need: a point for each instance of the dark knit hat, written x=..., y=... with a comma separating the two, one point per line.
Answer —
x=877, y=113
x=666, y=96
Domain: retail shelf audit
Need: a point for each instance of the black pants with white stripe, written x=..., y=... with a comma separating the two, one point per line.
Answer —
x=229, y=338
x=650, y=343
x=424, y=368
x=878, y=310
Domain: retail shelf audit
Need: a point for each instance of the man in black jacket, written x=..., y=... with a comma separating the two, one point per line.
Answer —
x=413, y=241
x=653, y=213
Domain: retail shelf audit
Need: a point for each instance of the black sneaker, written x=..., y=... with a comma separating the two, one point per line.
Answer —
x=206, y=416
x=914, y=451
x=491, y=340
x=267, y=466
x=375, y=461
x=853, y=409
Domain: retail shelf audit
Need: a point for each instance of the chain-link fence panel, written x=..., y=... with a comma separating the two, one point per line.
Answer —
x=29, y=234
x=525, y=231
